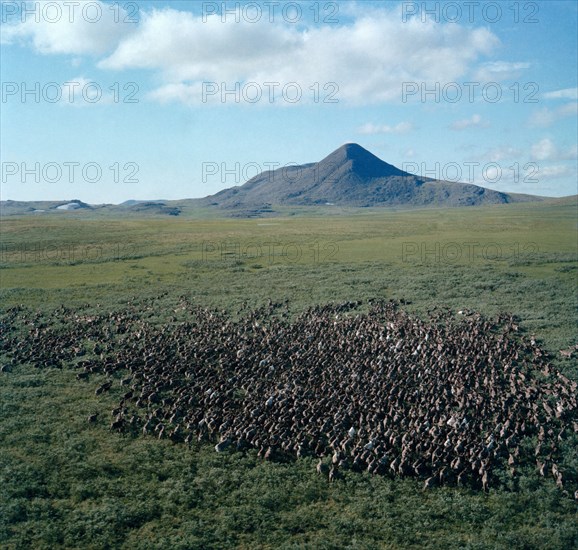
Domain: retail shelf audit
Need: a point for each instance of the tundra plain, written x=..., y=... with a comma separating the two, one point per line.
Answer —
x=69, y=483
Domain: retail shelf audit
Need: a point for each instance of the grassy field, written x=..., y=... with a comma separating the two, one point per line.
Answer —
x=67, y=483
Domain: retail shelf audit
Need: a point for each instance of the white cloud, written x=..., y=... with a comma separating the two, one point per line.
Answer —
x=367, y=59
x=566, y=93
x=368, y=56
x=475, y=121
x=570, y=109
x=61, y=27
x=183, y=93
x=556, y=171
x=500, y=153
x=497, y=71
x=545, y=149
x=546, y=117
x=401, y=128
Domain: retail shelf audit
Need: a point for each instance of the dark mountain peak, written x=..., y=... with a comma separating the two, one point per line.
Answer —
x=359, y=160
x=353, y=151
x=350, y=152
x=349, y=176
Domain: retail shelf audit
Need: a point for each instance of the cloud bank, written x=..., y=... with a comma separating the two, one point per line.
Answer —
x=368, y=58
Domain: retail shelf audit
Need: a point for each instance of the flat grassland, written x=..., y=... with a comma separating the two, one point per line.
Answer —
x=67, y=483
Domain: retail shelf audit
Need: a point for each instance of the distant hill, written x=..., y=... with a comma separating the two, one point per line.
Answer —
x=133, y=202
x=130, y=207
x=352, y=176
x=32, y=207
x=151, y=207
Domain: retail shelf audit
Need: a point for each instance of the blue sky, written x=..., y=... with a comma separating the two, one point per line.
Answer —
x=106, y=101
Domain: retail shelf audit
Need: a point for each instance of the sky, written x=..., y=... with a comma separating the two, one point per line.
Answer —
x=110, y=101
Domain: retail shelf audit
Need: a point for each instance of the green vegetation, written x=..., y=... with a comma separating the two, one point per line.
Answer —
x=67, y=483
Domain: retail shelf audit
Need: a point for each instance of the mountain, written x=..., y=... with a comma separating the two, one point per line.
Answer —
x=352, y=176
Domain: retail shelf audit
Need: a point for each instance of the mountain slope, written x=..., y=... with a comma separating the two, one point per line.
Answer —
x=352, y=176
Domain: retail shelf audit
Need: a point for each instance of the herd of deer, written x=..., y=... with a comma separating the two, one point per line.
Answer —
x=451, y=399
